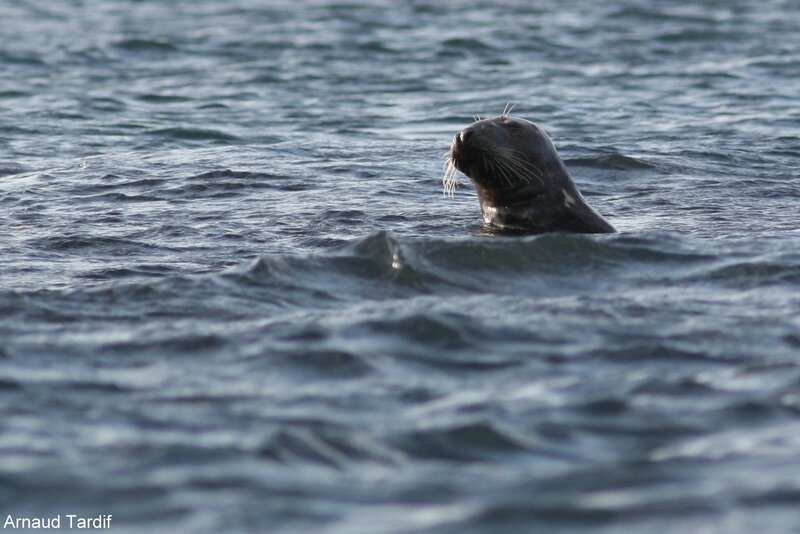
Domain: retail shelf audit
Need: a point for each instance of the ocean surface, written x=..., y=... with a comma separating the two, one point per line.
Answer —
x=233, y=297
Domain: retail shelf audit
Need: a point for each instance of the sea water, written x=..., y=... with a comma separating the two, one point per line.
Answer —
x=233, y=297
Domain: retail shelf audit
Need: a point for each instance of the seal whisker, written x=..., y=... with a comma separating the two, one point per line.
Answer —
x=521, y=167
x=509, y=107
x=522, y=164
x=516, y=171
x=526, y=166
x=498, y=166
x=502, y=170
x=488, y=163
x=516, y=154
x=505, y=172
x=450, y=178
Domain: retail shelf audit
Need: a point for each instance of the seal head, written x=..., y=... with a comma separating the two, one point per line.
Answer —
x=521, y=182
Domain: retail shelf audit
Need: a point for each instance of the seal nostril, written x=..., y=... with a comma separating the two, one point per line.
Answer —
x=466, y=134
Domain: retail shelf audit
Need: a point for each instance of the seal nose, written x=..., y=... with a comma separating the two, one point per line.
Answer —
x=466, y=134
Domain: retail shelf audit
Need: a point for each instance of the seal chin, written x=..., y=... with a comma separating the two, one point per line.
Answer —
x=521, y=182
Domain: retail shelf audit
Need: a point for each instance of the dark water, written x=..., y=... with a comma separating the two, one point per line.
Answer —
x=233, y=297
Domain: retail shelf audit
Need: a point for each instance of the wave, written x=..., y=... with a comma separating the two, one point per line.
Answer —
x=611, y=161
x=383, y=265
x=194, y=134
x=145, y=45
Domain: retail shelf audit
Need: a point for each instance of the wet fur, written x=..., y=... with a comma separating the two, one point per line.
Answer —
x=521, y=182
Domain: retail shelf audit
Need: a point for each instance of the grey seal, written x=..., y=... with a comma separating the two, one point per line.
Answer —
x=521, y=182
